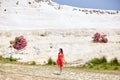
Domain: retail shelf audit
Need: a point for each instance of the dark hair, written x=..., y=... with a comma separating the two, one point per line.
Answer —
x=61, y=50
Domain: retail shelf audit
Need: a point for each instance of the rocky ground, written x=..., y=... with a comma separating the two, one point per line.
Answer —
x=29, y=72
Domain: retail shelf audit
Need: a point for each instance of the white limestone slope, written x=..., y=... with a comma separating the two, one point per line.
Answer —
x=37, y=14
x=76, y=43
x=44, y=43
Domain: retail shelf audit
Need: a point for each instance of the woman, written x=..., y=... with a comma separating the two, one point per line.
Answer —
x=60, y=60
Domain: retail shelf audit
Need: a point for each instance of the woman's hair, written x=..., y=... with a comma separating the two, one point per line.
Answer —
x=61, y=50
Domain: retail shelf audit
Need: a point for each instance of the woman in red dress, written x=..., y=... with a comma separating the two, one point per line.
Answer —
x=60, y=60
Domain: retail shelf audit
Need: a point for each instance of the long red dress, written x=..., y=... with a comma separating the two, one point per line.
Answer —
x=60, y=59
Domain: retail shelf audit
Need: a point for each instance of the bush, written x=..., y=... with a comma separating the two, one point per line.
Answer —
x=96, y=61
x=100, y=38
x=103, y=38
x=102, y=64
x=19, y=43
x=7, y=60
x=96, y=37
x=114, y=62
x=103, y=59
x=115, y=68
x=54, y=63
x=32, y=63
x=11, y=58
x=51, y=62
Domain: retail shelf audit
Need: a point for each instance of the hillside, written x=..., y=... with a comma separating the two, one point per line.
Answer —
x=37, y=14
x=76, y=43
x=56, y=26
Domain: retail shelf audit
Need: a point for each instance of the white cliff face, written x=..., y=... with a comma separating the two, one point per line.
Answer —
x=76, y=43
x=37, y=14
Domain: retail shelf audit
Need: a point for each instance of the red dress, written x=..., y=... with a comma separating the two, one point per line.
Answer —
x=60, y=59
